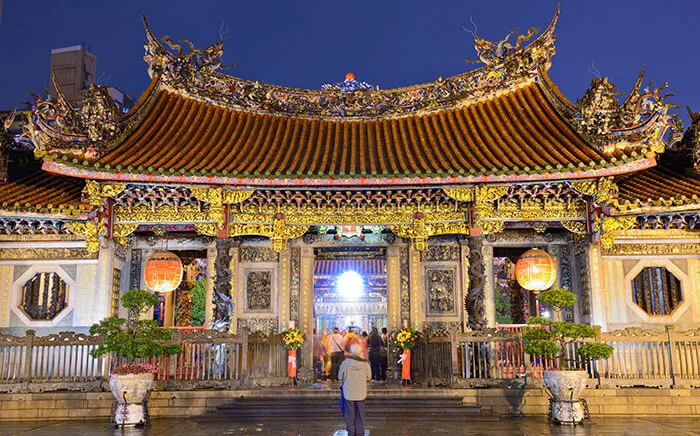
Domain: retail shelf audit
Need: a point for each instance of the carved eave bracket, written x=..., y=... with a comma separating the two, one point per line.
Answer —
x=603, y=191
x=218, y=199
x=611, y=225
x=92, y=230
x=279, y=232
x=420, y=230
x=97, y=192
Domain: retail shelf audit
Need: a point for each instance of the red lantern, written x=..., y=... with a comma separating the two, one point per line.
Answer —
x=535, y=270
x=163, y=272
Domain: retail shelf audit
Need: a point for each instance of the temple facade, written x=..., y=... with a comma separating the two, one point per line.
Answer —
x=429, y=193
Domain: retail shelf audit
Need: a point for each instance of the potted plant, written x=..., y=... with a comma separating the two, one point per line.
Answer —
x=406, y=340
x=293, y=339
x=544, y=338
x=130, y=340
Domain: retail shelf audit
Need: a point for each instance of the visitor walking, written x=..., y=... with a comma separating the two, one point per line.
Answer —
x=337, y=343
x=326, y=341
x=318, y=352
x=362, y=342
x=375, y=343
x=384, y=354
x=355, y=373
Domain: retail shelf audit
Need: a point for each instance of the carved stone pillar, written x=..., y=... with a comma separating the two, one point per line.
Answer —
x=306, y=311
x=464, y=266
x=209, y=292
x=285, y=278
x=169, y=309
x=489, y=293
x=474, y=302
x=393, y=288
x=416, y=293
x=598, y=312
x=223, y=303
x=147, y=253
x=103, y=290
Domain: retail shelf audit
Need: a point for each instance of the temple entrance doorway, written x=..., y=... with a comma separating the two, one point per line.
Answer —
x=350, y=288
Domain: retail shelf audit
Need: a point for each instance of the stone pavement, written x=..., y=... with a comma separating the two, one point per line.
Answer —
x=527, y=426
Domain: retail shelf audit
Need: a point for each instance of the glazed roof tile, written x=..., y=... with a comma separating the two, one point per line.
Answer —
x=516, y=132
x=43, y=193
x=657, y=187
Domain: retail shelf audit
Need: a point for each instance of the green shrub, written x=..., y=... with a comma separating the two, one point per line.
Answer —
x=549, y=338
x=133, y=338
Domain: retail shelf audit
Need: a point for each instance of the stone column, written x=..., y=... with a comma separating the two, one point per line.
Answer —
x=306, y=312
x=475, y=298
x=169, y=309
x=209, y=290
x=105, y=271
x=147, y=253
x=283, y=314
x=598, y=310
x=489, y=288
x=464, y=271
x=223, y=303
x=393, y=288
x=416, y=288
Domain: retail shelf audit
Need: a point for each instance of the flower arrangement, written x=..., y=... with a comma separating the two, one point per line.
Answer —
x=134, y=368
x=549, y=338
x=292, y=339
x=406, y=338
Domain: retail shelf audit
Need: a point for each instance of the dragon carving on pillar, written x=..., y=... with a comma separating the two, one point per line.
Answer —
x=474, y=300
x=223, y=303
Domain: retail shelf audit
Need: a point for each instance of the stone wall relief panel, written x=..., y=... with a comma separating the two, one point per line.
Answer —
x=581, y=277
x=441, y=286
x=258, y=295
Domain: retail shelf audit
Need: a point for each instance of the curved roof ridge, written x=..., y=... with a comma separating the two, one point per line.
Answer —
x=195, y=72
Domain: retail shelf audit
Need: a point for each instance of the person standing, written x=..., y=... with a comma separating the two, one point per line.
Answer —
x=362, y=342
x=337, y=344
x=355, y=373
x=384, y=354
x=375, y=344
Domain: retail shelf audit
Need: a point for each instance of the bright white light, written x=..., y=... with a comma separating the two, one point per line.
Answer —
x=350, y=285
x=546, y=314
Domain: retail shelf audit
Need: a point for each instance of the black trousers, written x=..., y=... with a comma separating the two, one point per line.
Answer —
x=383, y=367
x=336, y=359
x=375, y=363
x=355, y=417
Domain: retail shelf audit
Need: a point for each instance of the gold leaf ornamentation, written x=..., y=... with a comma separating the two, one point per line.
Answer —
x=575, y=227
x=461, y=194
x=491, y=227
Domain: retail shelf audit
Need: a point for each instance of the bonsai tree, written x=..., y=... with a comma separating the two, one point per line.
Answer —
x=549, y=338
x=133, y=338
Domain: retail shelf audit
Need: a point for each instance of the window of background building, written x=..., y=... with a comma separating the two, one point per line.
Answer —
x=656, y=290
x=44, y=296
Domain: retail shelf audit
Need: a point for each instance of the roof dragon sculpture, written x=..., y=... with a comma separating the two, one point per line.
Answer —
x=82, y=131
x=642, y=119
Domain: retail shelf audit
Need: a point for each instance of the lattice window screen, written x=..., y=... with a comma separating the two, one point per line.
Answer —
x=44, y=296
x=656, y=290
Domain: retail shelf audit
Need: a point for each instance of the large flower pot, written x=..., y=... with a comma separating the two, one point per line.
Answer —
x=566, y=388
x=130, y=391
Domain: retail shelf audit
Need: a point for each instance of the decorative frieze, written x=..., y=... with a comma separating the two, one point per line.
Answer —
x=32, y=226
x=436, y=253
x=257, y=254
x=690, y=249
x=46, y=254
x=369, y=308
x=258, y=324
x=404, y=284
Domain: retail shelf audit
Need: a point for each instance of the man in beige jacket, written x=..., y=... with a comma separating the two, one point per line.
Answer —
x=355, y=373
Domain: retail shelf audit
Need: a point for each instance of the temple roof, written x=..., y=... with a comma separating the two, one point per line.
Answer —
x=657, y=189
x=503, y=122
x=518, y=133
x=42, y=193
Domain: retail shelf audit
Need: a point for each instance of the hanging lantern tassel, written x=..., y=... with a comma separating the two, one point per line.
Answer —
x=163, y=272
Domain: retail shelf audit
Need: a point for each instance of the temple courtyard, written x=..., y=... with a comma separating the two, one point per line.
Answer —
x=526, y=426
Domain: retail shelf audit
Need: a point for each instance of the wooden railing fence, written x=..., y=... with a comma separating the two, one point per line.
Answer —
x=212, y=359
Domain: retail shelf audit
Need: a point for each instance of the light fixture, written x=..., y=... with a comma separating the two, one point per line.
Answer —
x=350, y=285
x=163, y=271
x=536, y=272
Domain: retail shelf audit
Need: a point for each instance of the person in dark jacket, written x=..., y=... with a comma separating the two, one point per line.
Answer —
x=375, y=345
x=355, y=373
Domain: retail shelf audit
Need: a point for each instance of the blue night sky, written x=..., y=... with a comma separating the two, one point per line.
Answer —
x=390, y=43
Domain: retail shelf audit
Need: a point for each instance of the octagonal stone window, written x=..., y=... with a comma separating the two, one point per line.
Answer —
x=656, y=291
x=44, y=296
